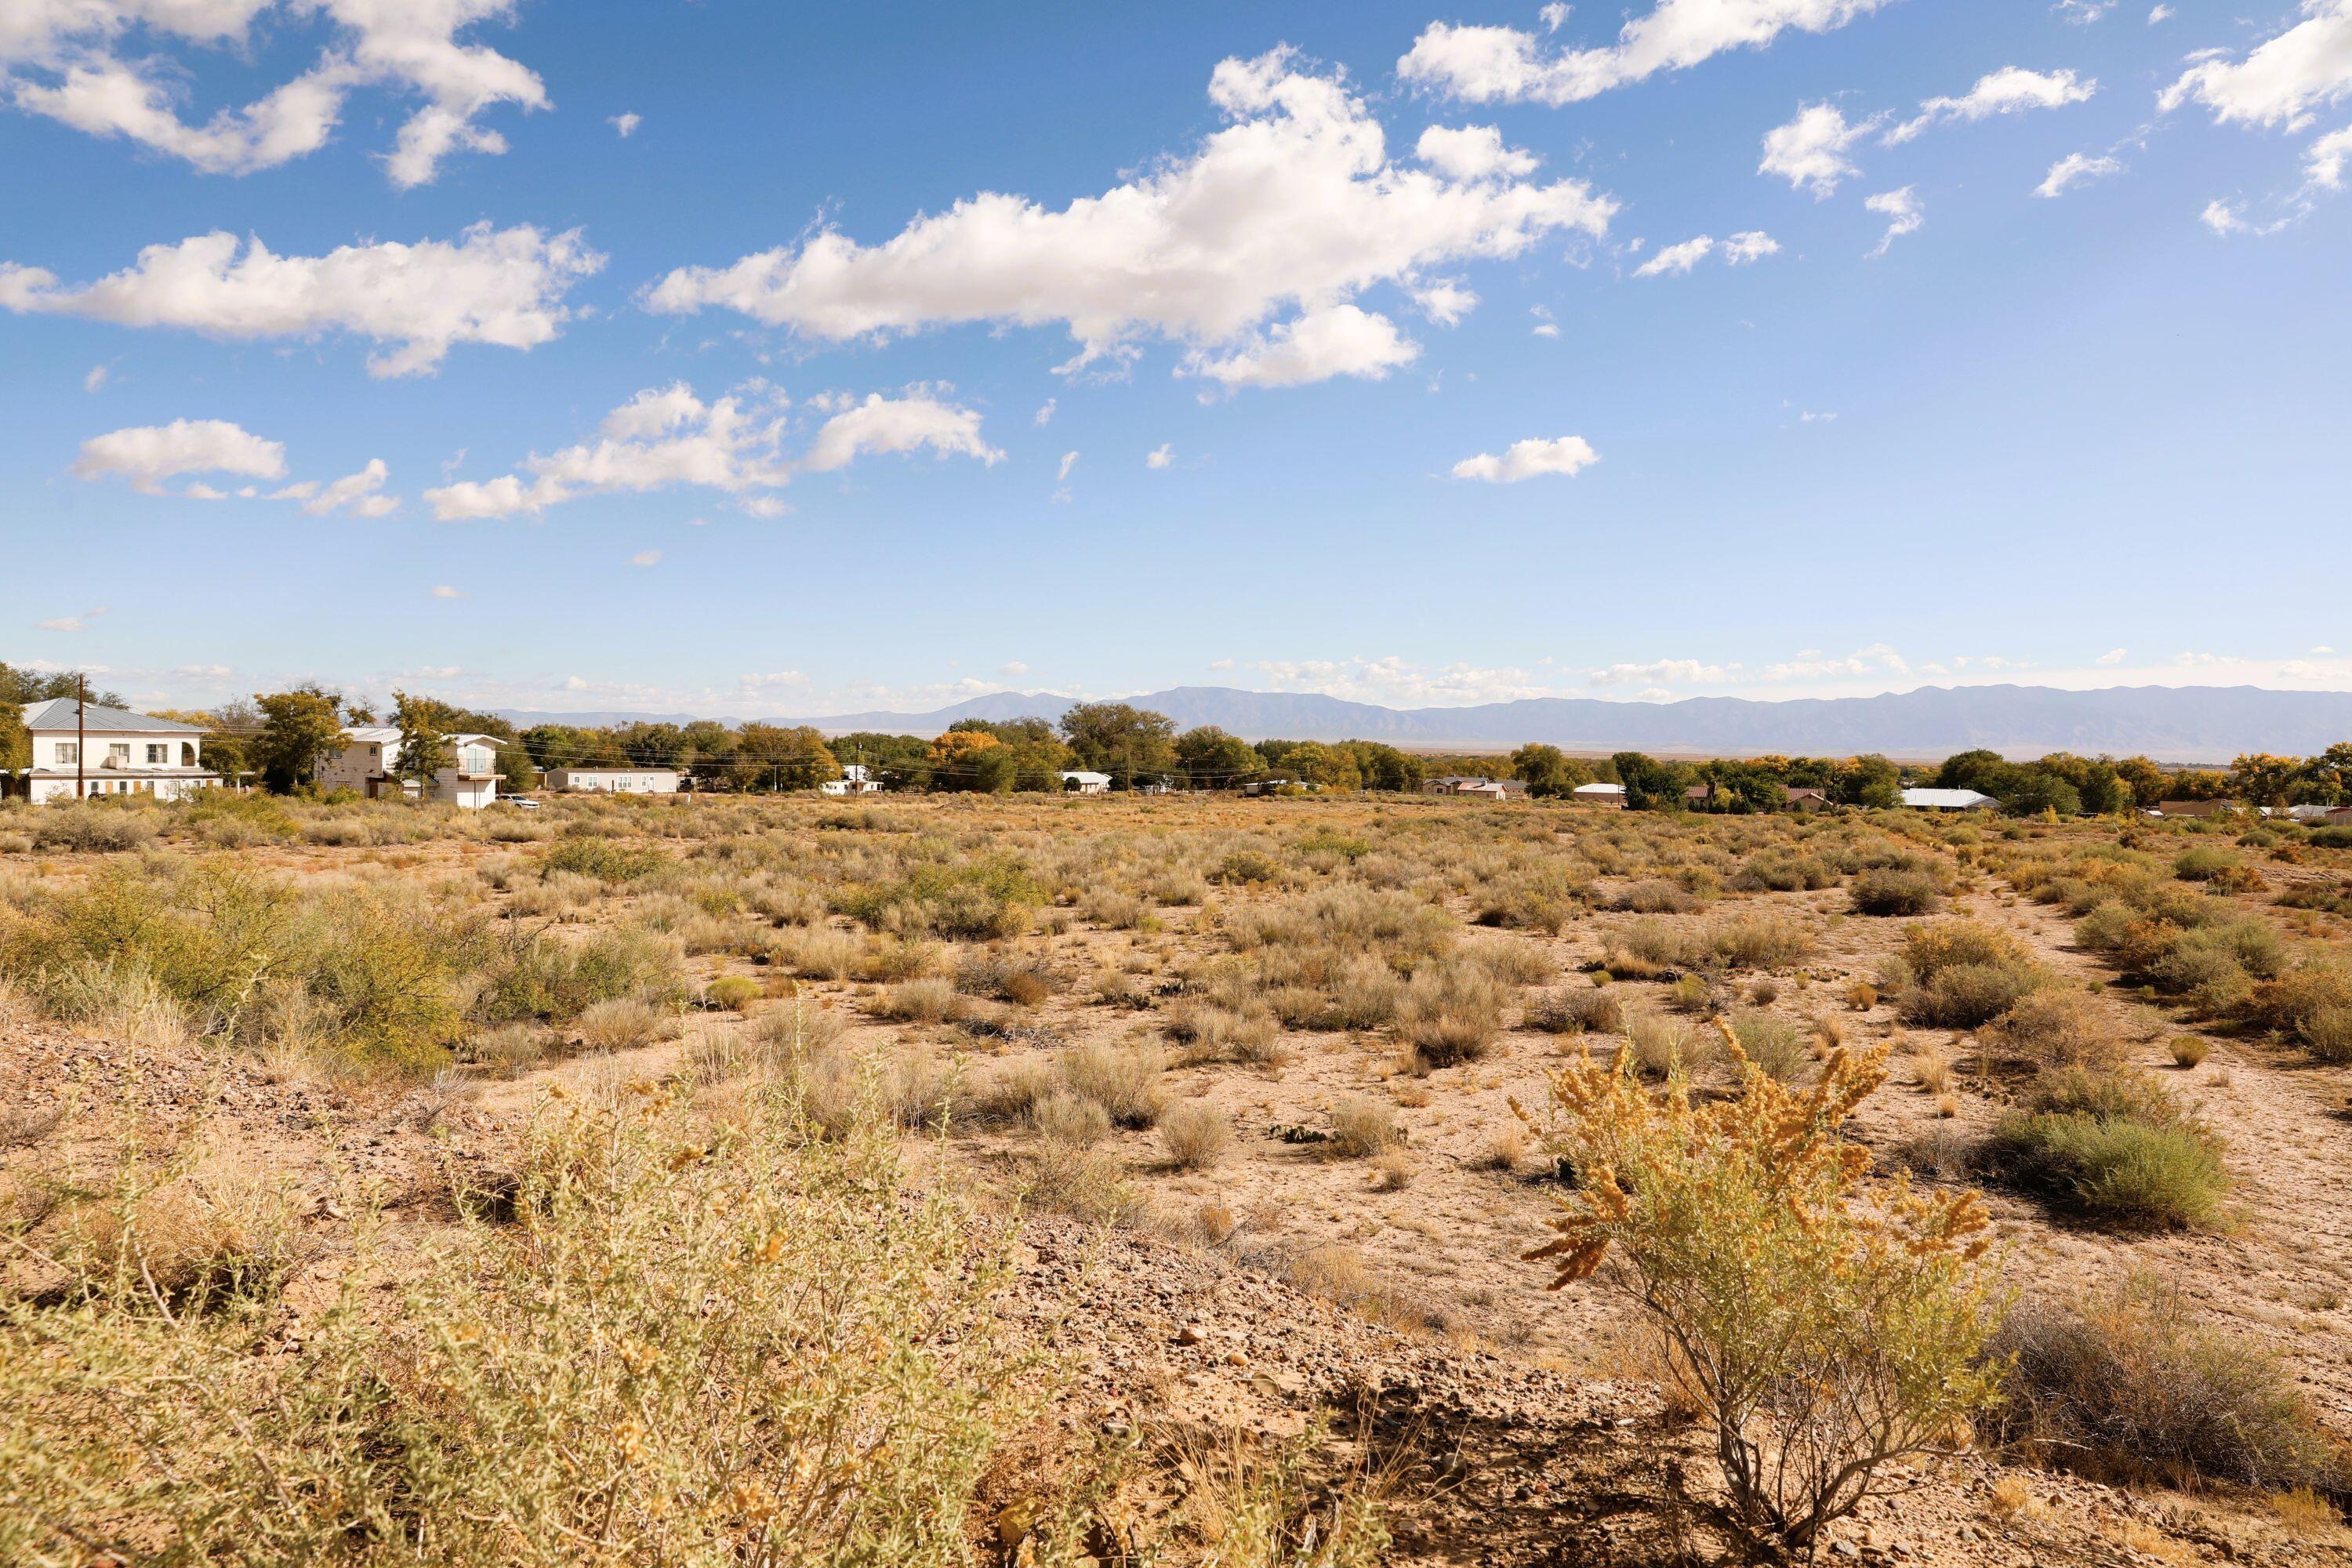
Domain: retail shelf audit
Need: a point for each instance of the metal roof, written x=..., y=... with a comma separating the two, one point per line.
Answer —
x=1597, y=789
x=58, y=714
x=1947, y=799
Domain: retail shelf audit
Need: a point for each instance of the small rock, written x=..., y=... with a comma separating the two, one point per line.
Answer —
x=1190, y=1334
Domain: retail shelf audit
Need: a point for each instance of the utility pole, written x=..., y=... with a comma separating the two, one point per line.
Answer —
x=81, y=735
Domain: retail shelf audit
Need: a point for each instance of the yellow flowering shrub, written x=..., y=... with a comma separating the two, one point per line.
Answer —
x=1822, y=1336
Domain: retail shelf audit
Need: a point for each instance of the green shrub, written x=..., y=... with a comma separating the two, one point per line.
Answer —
x=2291, y=1003
x=732, y=992
x=1593, y=1011
x=607, y=859
x=1450, y=1013
x=2115, y=1146
x=1966, y=995
x=2203, y=862
x=1890, y=891
x=2102, y=930
x=2328, y=1032
x=1779, y=1045
x=1760, y=942
x=545, y=978
x=2129, y=1385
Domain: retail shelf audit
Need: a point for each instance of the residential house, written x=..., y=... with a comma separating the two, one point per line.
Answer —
x=2198, y=808
x=371, y=753
x=1609, y=794
x=590, y=780
x=1462, y=784
x=82, y=749
x=1793, y=797
x=1948, y=800
x=1079, y=780
x=855, y=778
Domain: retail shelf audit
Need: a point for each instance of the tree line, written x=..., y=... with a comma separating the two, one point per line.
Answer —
x=277, y=738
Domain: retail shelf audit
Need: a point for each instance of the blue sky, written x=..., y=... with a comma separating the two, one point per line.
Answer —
x=743, y=412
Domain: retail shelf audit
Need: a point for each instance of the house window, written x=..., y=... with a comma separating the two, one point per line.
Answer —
x=118, y=755
x=159, y=753
x=187, y=754
x=68, y=753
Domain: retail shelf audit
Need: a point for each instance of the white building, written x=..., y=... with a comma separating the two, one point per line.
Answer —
x=1078, y=781
x=589, y=780
x=79, y=747
x=1948, y=800
x=371, y=752
x=855, y=778
x=1598, y=795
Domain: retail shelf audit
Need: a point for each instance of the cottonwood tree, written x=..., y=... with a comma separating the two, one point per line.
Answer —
x=425, y=745
x=298, y=727
x=1333, y=767
x=1870, y=781
x=1120, y=739
x=1383, y=767
x=781, y=758
x=1216, y=759
x=971, y=762
x=1547, y=772
x=1650, y=784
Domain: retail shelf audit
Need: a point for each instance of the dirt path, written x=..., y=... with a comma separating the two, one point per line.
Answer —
x=2282, y=1271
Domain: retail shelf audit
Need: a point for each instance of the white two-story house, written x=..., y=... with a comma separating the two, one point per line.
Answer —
x=82, y=749
x=371, y=752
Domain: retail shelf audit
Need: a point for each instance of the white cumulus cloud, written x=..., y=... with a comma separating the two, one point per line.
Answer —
x=898, y=425
x=1471, y=153
x=626, y=124
x=1445, y=301
x=1160, y=455
x=1341, y=340
x=2075, y=169
x=1810, y=151
x=2009, y=91
x=360, y=493
x=90, y=64
x=1750, y=245
x=501, y=287
x=2323, y=160
x=1531, y=459
x=1684, y=670
x=1294, y=206
x=147, y=455
x=2283, y=81
x=668, y=435
x=1902, y=211
x=1677, y=259
x=1491, y=64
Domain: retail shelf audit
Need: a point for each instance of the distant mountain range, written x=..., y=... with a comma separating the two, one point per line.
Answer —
x=2185, y=723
